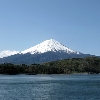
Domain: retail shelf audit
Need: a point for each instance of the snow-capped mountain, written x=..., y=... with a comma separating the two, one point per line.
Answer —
x=49, y=45
x=46, y=46
x=49, y=50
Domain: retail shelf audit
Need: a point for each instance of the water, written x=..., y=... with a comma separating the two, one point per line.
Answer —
x=50, y=87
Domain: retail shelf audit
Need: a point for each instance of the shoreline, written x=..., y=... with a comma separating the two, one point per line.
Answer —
x=52, y=74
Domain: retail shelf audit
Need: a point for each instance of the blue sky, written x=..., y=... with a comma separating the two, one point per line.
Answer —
x=74, y=23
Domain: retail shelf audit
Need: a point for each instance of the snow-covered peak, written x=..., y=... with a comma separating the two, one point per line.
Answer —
x=49, y=45
x=7, y=53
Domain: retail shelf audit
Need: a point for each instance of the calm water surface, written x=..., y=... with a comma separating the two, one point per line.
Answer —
x=50, y=87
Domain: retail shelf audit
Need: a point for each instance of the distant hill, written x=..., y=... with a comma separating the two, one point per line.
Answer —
x=49, y=50
x=87, y=65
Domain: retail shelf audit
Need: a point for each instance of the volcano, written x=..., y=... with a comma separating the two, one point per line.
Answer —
x=48, y=50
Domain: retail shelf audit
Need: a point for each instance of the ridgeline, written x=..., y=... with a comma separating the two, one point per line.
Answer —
x=89, y=65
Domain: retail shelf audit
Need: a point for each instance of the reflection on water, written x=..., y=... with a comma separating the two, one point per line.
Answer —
x=50, y=87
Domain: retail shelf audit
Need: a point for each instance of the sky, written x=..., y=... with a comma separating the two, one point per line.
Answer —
x=74, y=23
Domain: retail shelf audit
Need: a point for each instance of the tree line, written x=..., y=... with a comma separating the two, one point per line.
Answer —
x=89, y=65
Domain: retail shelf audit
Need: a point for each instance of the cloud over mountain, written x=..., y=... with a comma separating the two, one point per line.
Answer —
x=7, y=53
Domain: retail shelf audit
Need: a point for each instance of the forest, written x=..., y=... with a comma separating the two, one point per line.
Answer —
x=90, y=65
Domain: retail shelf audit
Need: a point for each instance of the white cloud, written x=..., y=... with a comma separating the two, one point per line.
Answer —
x=7, y=53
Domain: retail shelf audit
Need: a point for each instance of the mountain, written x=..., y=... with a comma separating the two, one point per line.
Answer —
x=49, y=45
x=49, y=50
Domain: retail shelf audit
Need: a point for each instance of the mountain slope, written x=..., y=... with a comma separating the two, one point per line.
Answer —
x=49, y=45
x=39, y=58
x=49, y=50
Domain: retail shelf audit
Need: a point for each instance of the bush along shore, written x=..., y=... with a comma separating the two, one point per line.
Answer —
x=89, y=65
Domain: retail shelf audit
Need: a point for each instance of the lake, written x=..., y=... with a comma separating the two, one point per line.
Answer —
x=50, y=87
